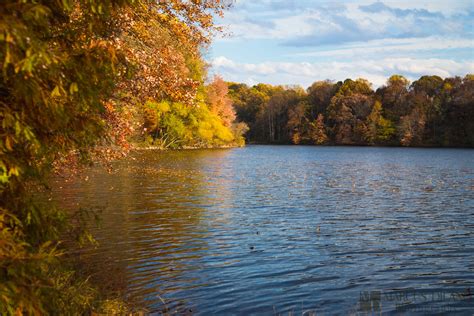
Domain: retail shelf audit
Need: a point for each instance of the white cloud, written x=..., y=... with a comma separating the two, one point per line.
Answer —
x=241, y=26
x=448, y=7
x=223, y=62
x=309, y=40
x=306, y=23
x=376, y=70
x=392, y=46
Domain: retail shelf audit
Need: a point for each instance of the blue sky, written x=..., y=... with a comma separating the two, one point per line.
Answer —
x=302, y=41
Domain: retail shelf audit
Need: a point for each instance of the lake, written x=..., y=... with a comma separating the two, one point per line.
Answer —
x=285, y=229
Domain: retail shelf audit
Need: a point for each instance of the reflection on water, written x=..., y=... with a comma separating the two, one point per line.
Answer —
x=268, y=229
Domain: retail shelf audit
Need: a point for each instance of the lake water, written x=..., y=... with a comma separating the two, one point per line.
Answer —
x=286, y=229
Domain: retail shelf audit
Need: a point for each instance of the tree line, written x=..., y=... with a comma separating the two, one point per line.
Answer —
x=430, y=111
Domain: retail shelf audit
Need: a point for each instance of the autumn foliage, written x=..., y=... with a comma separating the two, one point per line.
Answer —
x=429, y=112
x=79, y=79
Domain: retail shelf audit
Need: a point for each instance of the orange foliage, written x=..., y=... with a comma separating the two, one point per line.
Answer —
x=219, y=101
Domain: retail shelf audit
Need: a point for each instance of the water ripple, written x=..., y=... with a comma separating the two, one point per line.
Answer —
x=278, y=230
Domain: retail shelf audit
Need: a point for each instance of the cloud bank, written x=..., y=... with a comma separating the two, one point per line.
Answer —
x=298, y=42
x=304, y=73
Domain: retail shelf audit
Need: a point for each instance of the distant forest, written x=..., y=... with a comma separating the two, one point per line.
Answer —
x=431, y=111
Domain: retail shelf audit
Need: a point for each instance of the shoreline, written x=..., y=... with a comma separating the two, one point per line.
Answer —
x=296, y=145
x=360, y=145
x=186, y=147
